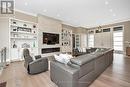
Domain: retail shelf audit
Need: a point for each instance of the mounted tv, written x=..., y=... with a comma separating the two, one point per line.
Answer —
x=50, y=38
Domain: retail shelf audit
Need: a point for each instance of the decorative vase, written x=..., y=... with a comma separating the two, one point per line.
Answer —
x=14, y=45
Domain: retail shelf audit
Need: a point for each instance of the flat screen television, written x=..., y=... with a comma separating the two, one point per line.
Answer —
x=50, y=38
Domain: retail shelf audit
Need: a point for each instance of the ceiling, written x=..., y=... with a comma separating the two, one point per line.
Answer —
x=83, y=13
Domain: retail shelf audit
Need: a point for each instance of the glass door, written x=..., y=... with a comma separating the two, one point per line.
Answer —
x=118, y=39
x=91, y=40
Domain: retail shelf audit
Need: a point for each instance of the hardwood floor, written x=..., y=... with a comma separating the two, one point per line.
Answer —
x=117, y=75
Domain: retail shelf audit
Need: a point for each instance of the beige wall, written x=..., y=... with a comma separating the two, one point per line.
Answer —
x=25, y=17
x=79, y=30
x=50, y=25
x=126, y=30
x=69, y=27
x=22, y=16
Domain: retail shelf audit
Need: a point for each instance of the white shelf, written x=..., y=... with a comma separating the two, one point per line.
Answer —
x=23, y=38
x=23, y=33
x=12, y=25
x=28, y=22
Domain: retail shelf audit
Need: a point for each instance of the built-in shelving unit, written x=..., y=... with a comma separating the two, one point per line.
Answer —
x=23, y=34
x=77, y=40
x=66, y=40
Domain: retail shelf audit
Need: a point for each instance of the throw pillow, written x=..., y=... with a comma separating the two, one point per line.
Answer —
x=66, y=57
x=59, y=59
x=84, y=49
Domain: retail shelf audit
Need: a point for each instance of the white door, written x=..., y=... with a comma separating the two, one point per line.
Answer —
x=106, y=40
x=98, y=40
x=118, y=39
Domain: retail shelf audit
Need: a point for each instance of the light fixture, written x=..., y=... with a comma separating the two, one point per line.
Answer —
x=111, y=10
x=58, y=15
x=114, y=15
x=44, y=10
x=25, y=3
x=106, y=2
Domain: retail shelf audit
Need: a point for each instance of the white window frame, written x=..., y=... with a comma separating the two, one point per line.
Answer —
x=90, y=41
x=118, y=51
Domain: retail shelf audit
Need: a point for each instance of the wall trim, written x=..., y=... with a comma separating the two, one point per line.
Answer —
x=110, y=23
x=28, y=13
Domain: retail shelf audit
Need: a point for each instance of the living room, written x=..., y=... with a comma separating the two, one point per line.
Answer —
x=64, y=43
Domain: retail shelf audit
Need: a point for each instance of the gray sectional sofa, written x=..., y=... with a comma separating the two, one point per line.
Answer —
x=82, y=70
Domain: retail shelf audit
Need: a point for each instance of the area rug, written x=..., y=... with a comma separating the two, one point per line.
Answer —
x=3, y=84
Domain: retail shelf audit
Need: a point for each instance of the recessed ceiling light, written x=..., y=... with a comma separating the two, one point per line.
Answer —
x=106, y=2
x=58, y=15
x=111, y=10
x=25, y=3
x=114, y=15
x=44, y=10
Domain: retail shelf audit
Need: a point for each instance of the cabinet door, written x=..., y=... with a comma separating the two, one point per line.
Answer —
x=98, y=40
x=106, y=40
x=83, y=40
x=14, y=54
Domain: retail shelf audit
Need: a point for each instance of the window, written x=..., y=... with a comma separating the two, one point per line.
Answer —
x=91, y=40
x=118, y=39
x=107, y=30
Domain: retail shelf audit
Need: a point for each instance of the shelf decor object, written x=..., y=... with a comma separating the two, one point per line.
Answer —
x=25, y=45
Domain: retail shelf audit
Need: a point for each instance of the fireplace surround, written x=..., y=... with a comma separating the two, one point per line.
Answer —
x=50, y=50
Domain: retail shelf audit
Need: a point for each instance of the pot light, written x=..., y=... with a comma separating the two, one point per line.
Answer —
x=114, y=15
x=58, y=15
x=111, y=10
x=25, y=3
x=106, y=2
x=44, y=10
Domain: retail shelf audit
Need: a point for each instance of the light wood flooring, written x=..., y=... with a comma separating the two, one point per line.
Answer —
x=117, y=75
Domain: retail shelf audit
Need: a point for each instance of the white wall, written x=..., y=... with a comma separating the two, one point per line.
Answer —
x=4, y=34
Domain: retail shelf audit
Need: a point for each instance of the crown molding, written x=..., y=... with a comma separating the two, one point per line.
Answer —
x=28, y=13
x=109, y=23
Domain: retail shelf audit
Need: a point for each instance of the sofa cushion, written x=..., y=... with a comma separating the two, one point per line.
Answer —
x=80, y=60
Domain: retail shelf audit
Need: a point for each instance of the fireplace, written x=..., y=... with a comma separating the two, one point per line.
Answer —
x=50, y=50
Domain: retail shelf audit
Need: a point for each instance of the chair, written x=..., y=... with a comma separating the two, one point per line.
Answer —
x=34, y=66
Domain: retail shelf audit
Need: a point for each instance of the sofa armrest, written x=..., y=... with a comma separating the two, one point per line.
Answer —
x=63, y=75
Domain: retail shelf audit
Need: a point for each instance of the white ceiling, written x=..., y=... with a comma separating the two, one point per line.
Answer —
x=84, y=13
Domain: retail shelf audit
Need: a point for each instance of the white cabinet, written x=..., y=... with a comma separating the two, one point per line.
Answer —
x=22, y=34
x=98, y=40
x=83, y=40
x=107, y=40
x=17, y=34
x=103, y=39
x=14, y=54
